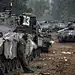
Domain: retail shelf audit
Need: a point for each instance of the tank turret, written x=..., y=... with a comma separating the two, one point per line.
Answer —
x=27, y=23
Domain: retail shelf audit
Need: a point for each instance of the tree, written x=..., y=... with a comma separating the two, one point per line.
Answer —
x=63, y=9
x=38, y=6
x=4, y=4
x=19, y=6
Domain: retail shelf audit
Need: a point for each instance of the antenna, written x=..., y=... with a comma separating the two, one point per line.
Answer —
x=11, y=4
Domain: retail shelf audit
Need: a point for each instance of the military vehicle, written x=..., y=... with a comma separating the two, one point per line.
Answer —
x=44, y=43
x=18, y=41
x=44, y=39
x=67, y=34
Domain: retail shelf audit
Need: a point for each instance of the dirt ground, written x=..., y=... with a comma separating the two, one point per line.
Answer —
x=59, y=61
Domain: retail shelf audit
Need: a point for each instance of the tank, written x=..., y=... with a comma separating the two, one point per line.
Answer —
x=18, y=42
x=44, y=40
x=67, y=34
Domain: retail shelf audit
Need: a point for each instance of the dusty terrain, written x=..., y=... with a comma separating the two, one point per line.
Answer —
x=59, y=61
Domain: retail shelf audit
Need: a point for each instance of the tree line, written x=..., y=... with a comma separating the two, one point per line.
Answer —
x=61, y=9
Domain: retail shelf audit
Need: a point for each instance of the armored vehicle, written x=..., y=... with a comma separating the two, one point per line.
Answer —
x=44, y=39
x=44, y=44
x=67, y=34
x=18, y=41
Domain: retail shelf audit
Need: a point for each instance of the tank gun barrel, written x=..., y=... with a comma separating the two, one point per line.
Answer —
x=62, y=29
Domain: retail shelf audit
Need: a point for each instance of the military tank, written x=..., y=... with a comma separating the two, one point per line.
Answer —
x=18, y=41
x=67, y=34
x=44, y=40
